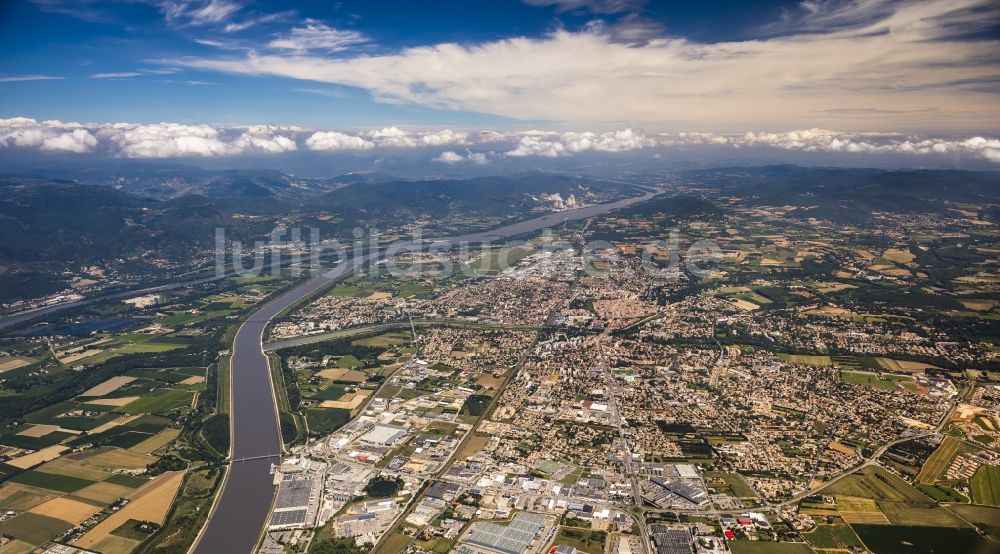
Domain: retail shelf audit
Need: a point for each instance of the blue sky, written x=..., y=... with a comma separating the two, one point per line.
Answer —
x=113, y=58
x=854, y=75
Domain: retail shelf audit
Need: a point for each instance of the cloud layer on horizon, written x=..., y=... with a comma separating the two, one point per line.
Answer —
x=177, y=140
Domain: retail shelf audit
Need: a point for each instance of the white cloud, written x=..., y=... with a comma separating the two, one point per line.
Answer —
x=18, y=78
x=321, y=91
x=121, y=75
x=615, y=141
x=198, y=12
x=451, y=157
x=79, y=141
x=902, y=61
x=440, y=138
x=235, y=27
x=52, y=136
x=393, y=137
x=550, y=144
x=534, y=146
x=593, y=6
x=316, y=35
x=332, y=140
x=166, y=140
x=479, y=157
x=264, y=139
x=822, y=140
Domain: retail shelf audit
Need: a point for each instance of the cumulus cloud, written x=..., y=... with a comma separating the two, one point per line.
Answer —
x=166, y=140
x=615, y=141
x=534, y=146
x=394, y=137
x=78, y=140
x=440, y=138
x=265, y=139
x=549, y=144
x=169, y=140
x=332, y=140
x=912, y=56
x=52, y=136
x=822, y=140
x=451, y=157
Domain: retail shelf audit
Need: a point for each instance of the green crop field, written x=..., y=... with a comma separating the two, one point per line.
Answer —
x=885, y=382
x=894, y=539
x=767, y=547
x=734, y=483
x=937, y=463
x=837, y=536
x=51, y=481
x=326, y=420
x=985, y=485
x=942, y=493
x=349, y=362
x=34, y=529
x=387, y=339
x=125, y=480
x=986, y=518
x=584, y=540
x=163, y=401
x=877, y=484
x=897, y=499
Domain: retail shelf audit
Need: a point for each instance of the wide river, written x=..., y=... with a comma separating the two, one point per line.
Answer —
x=241, y=510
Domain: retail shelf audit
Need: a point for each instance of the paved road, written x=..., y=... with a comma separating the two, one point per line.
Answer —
x=240, y=510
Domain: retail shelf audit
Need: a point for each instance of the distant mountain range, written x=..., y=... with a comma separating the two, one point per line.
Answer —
x=164, y=217
x=154, y=219
x=851, y=195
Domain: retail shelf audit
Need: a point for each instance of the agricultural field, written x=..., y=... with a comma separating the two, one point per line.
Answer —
x=899, y=502
x=730, y=483
x=329, y=382
x=98, y=409
x=767, y=547
x=74, y=489
x=836, y=536
x=886, y=382
x=938, y=462
x=986, y=518
x=893, y=539
x=151, y=503
x=806, y=359
x=584, y=540
x=472, y=446
x=985, y=485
